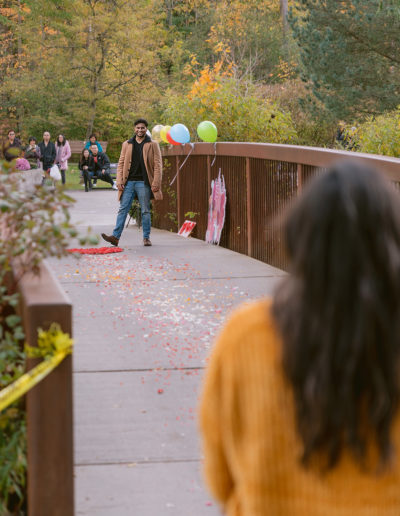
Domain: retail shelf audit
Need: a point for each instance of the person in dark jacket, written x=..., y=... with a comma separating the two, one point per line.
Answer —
x=11, y=147
x=32, y=153
x=47, y=153
x=93, y=141
x=101, y=166
x=86, y=166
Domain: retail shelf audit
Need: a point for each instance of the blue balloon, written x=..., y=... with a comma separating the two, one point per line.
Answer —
x=180, y=133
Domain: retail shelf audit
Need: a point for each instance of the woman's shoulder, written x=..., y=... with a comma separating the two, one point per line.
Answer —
x=251, y=321
x=252, y=312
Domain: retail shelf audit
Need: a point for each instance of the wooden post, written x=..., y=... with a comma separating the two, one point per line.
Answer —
x=248, y=209
x=178, y=194
x=209, y=175
x=49, y=404
x=299, y=177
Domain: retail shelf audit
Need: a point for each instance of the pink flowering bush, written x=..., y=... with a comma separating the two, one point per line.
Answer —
x=22, y=164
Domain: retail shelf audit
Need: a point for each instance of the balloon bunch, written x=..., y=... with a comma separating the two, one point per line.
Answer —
x=179, y=134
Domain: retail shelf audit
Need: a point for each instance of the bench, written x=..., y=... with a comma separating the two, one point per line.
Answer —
x=77, y=147
x=113, y=171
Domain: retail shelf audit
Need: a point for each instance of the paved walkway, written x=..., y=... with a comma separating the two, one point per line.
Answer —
x=144, y=323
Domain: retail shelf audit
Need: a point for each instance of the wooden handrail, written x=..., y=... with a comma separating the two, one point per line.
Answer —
x=314, y=156
x=49, y=404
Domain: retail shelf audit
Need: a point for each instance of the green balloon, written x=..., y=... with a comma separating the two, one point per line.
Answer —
x=207, y=131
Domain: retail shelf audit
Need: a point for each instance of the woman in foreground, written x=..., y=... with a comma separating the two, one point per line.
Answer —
x=300, y=409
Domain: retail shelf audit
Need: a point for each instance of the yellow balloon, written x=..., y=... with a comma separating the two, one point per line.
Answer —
x=155, y=133
x=163, y=133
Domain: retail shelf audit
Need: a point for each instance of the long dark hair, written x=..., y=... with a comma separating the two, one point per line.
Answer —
x=82, y=157
x=339, y=314
x=63, y=140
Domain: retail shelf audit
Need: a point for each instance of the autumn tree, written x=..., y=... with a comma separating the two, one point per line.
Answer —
x=11, y=58
x=89, y=64
x=250, y=35
x=116, y=59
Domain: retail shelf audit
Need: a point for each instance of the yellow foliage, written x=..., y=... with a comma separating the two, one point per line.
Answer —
x=8, y=12
x=50, y=31
x=209, y=80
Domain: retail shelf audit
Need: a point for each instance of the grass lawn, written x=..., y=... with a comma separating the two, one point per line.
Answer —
x=73, y=177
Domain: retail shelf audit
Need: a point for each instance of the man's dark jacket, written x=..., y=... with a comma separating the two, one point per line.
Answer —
x=12, y=150
x=103, y=162
x=47, y=154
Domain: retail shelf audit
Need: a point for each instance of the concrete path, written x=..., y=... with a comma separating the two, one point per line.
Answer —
x=144, y=323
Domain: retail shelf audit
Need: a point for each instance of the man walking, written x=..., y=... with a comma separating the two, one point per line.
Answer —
x=139, y=173
x=101, y=166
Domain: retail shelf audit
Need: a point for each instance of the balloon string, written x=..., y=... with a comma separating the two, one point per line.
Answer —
x=215, y=153
x=176, y=175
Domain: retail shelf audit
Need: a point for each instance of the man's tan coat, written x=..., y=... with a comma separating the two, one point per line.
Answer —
x=153, y=163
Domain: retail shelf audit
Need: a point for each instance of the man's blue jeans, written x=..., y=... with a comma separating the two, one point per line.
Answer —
x=143, y=193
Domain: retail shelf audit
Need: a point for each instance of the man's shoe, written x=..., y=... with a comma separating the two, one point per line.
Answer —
x=146, y=242
x=94, y=185
x=111, y=239
x=114, y=186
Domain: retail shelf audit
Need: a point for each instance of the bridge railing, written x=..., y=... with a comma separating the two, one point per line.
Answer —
x=49, y=404
x=260, y=181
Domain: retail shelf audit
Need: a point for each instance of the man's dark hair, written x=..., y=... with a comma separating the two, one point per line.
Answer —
x=92, y=135
x=32, y=139
x=140, y=121
x=339, y=314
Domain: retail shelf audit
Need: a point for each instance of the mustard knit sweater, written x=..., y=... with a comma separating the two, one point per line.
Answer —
x=250, y=443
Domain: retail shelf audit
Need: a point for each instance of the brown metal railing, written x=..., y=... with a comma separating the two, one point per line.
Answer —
x=260, y=180
x=49, y=404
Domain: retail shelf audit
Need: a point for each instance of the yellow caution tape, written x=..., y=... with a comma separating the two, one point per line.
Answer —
x=54, y=345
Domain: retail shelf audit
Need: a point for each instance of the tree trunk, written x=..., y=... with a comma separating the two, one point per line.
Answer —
x=19, y=31
x=284, y=14
x=90, y=125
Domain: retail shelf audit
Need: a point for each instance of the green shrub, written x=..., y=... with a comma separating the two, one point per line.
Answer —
x=235, y=108
x=314, y=126
x=12, y=419
x=380, y=135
